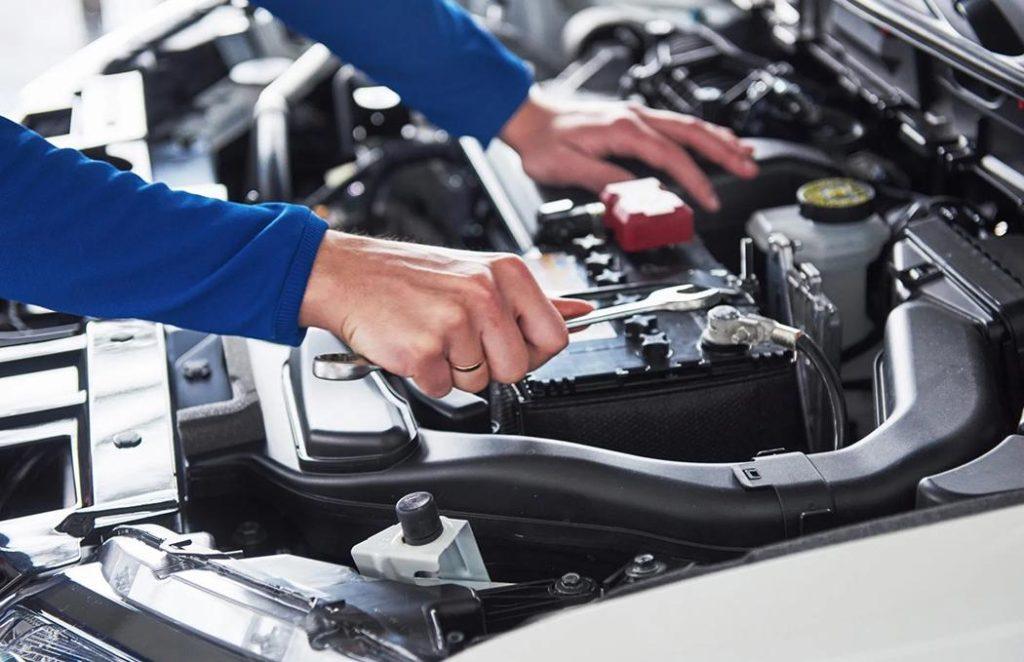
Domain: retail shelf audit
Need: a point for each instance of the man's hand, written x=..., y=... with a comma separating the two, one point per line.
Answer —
x=417, y=311
x=565, y=144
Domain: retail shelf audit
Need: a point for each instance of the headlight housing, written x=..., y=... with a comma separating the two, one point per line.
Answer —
x=30, y=636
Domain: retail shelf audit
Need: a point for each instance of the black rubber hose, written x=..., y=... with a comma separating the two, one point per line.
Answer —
x=833, y=385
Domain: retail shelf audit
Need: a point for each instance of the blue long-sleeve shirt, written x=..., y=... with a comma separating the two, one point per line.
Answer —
x=78, y=235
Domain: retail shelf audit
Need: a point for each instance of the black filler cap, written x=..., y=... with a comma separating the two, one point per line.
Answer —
x=836, y=200
x=421, y=523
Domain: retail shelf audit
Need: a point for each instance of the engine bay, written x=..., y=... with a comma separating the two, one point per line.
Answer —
x=856, y=357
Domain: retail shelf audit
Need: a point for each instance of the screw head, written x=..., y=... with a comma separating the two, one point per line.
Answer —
x=127, y=439
x=643, y=559
x=644, y=565
x=196, y=370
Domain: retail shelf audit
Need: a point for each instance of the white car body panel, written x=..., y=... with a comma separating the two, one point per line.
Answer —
x=947, y=591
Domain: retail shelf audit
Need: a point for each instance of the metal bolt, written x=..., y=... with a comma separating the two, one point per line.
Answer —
x=196, y=370
x=127, y=439
x=455, y=637
x=643, y=560
x=644, y=565
x=572, y=584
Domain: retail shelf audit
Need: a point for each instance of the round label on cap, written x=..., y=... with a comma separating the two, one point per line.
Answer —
x=836, y=200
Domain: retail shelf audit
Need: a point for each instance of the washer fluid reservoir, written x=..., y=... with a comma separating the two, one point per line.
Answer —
x=840, y=233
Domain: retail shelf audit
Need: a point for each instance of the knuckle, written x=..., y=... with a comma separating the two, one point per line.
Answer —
x=423, y=354
x=539, y=169
x=512, y=370
x=404, y=361
x=435, y=390
x=555, y=343
x=481, y=279
x=481, y=288
x=511, y=375
x=473, y=384
x=512, y=264
x=454, y=317
x=626, y=124
x=486, y=302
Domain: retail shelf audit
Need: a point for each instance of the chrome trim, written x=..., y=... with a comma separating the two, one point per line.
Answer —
x=39, y=349
x=938, y=38
x=46, y=404
x=492, y=185
x=270, y=119
x=129, y=392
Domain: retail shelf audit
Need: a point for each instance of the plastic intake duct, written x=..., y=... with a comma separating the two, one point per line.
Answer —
x=942, y=409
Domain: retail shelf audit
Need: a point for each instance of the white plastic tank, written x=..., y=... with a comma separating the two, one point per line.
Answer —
x=839, y=232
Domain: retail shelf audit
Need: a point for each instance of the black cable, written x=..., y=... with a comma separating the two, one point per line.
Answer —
x=833, y=385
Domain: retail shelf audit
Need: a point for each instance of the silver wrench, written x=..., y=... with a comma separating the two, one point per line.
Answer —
x=678, y=298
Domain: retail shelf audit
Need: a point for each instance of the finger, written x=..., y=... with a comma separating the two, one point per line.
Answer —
x=431, y=371
x=710, y=139
x=656, y=150
x=678, y=126
x=727, y=135
x=541, y=325
x=504, y=347
x=466, y=349
x=713, y=142
x=572, y=308
x=508, y=358
x=586, y=171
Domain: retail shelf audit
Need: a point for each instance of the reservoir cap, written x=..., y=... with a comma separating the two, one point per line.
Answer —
x=836, y=200
x=421, y=523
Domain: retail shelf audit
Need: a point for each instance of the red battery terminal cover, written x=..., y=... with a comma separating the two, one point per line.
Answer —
x=642, y=215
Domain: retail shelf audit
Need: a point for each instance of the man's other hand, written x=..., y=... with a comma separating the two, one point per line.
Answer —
x=566, y=144
x=420, y=311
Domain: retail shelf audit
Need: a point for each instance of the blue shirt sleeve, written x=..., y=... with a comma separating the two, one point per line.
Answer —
x=429, y=51
x=80, y=236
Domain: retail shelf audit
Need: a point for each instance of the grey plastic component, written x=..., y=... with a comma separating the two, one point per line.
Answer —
x=232, y=423
x=453, y=556
x=995, y=472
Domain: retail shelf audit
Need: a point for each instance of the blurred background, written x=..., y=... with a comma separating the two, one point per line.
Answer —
x=37, y=35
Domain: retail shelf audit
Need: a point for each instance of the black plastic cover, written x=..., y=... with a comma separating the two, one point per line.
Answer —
x=995, y=472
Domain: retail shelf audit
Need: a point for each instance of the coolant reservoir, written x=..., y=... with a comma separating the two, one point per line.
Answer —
x=840, y=233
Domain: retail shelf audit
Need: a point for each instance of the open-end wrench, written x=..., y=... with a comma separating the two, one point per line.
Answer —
x=678, y=298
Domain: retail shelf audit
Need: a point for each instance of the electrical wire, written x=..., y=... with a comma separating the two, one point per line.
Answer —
x=833, y=385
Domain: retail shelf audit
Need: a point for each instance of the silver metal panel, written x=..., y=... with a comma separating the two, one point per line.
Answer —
x=36, y=350
x=129, y=396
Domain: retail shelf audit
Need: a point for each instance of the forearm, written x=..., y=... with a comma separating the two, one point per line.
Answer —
x=79, y=236
x=430, y=51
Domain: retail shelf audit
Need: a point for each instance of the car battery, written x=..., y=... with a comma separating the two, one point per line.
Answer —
x=646, y=386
